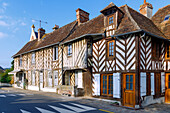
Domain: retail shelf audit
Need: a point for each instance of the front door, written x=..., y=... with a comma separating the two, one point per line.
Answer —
x=167, y=87
x=129, y=89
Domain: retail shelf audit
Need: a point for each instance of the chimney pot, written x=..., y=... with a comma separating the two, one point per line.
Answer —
x=146, y=9
x=55, y=27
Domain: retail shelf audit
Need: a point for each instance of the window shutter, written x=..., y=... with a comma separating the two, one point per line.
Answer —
x=162, y=82
x=152, y=84
x=142, y=84
x=96, y=84
x=80, y=79
x=76, y=78
x=55, y=78
x=116, y=85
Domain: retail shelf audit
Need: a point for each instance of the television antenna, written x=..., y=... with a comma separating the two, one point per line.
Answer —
x=40, y=21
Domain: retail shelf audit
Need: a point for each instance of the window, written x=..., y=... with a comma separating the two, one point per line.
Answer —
x=168, y=51
x=111, y=20
x=33, y=58
x=107, y=85
x=55, y=74
x=20, y=61
x=111, y=48
x=55, y=53
x=129, y=82
x=69, y=50
x=167, y=17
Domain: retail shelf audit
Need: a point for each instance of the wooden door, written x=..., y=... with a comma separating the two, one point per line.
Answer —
x=167, y=88
x=129, y=89
x=157, y=85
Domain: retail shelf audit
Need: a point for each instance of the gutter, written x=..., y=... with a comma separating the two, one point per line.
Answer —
x=141, y=31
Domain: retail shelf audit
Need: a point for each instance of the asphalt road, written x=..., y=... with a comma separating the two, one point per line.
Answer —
x=17, y=102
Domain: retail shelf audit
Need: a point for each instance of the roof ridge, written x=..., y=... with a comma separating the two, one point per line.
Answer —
x=131, y=18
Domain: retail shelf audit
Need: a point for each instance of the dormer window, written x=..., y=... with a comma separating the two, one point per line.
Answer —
x=111, y=20
x=167, y=17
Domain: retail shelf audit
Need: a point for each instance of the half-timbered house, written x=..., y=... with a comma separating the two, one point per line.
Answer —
x=120, y=55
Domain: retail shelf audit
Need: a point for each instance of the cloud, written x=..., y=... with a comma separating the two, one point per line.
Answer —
x=23, y=23
x=3, y=35
x=3, y=23
x=4, y=6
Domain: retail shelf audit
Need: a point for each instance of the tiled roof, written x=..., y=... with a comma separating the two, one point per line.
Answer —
x=158, y=19
x=132, y=21
x=109, y=6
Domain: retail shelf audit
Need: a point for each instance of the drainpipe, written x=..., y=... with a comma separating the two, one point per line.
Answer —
x=39, y=79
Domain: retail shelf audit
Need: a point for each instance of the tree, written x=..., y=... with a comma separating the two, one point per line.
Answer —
x=5, y=77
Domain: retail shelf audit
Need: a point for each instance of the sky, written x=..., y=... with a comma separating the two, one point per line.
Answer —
x=17, y=17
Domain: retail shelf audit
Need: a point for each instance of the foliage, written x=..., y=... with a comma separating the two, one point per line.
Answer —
x=5, y=77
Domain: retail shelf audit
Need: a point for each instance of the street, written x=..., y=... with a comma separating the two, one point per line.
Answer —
x=16, y=102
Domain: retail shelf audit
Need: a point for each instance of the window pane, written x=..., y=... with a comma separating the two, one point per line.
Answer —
x=169, y=85
x=127, y=86
x=131, y=86
x=131, y=78
x=127, y=78
x=169, y=78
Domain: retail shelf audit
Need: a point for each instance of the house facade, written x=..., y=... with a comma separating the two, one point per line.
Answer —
x=120, y=55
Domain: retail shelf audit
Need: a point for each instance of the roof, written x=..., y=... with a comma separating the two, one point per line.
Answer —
x=108, y=7
x=134, y=21
x=93, y=26
x=51, y=38
x=158, y=19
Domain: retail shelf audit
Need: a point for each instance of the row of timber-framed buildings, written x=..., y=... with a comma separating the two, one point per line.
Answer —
x=122, y=55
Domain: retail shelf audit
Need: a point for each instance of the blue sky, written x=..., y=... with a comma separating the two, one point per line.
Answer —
x=16, y=18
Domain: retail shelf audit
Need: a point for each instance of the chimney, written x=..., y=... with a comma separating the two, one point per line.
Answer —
x=146, y=9
x=82, y=16
x=41, y=32
x=55, y=27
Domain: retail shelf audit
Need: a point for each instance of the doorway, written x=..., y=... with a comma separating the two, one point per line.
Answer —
x=129, y=89
x=167, y=88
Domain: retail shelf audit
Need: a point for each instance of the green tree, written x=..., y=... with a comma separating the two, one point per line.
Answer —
x=5, y=77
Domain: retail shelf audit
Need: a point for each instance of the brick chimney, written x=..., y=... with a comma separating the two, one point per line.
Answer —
x=146, y=9
x=55, y=27
x=41, y=32
x=82, y=16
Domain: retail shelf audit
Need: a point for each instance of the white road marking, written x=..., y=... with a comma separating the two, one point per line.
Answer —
x=21, y=94
x=61, y=110
x=84, y=107
x=30, y=94
x=12, y=95
x=23, y=111
x=2, y=96
x=74, y=108
x=44, y=110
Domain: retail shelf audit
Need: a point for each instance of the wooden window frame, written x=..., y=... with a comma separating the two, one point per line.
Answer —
x=55, y=53
x=108, y=49
x=69, y=50
x=108, y=85
x=111, y=16
x=166, y=52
